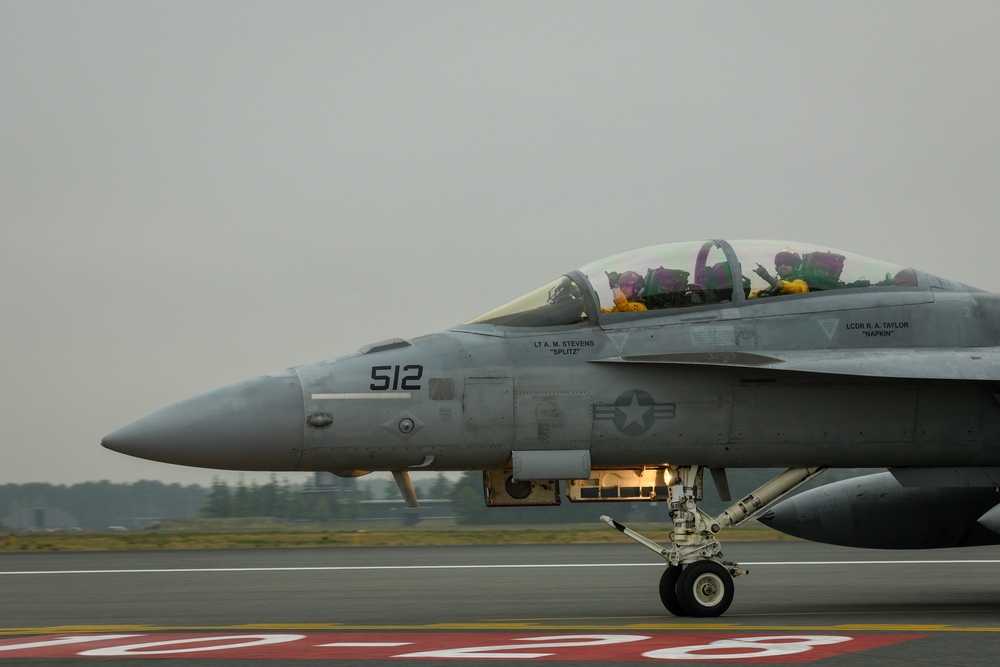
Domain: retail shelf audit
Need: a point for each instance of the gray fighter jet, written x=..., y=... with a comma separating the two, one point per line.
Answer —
x=631, y=376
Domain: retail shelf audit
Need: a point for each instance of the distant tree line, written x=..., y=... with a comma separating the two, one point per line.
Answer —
x=340, y=501
x=281, y=500
x=102, y=504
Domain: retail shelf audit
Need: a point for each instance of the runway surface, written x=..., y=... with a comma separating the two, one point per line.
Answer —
x=801, y=603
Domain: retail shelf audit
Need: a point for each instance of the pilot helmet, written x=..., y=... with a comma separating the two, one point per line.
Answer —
x=787, y=256
x=631, y=284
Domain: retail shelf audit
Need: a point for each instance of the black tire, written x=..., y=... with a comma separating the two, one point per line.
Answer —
x=668, y=590
x=704, y=589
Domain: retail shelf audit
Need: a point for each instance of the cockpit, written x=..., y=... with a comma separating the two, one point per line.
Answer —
x=694, y=274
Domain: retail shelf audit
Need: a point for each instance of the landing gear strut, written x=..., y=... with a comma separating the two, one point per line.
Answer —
x=697, y=581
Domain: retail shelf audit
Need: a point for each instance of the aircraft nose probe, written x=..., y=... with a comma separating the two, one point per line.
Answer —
x=252, y=425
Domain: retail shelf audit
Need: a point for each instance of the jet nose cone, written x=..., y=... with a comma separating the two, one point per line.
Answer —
x=252, y=425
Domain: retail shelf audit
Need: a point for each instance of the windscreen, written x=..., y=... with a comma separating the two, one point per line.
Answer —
x=558, y=303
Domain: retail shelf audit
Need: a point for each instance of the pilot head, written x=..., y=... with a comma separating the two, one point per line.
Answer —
x=631, y=284
x=787, y=262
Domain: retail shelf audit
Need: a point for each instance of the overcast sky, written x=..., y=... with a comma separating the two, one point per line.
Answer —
x=196, y=193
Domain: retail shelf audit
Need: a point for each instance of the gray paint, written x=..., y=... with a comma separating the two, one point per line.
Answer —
x=897, y=372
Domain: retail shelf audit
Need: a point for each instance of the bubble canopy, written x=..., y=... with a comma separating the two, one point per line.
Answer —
x=696, y=274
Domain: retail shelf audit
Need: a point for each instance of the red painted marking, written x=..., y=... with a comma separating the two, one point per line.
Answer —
x=663, y=647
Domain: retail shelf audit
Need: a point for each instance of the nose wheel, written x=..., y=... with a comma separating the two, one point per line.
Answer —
x=668, y=590
x=703, y=589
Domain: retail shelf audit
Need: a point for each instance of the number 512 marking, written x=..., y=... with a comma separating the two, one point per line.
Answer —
x=406, y=377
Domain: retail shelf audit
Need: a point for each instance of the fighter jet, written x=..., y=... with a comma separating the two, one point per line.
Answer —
x=624, y=380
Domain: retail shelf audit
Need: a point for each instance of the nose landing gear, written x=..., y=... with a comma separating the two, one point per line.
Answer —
x=697, y=581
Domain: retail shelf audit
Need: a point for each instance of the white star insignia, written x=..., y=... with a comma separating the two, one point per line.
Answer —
x=635, y=413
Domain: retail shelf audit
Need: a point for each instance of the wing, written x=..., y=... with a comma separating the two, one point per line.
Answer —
x=972, y=363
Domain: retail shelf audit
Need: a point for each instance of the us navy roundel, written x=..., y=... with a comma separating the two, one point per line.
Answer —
x=634, y=412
